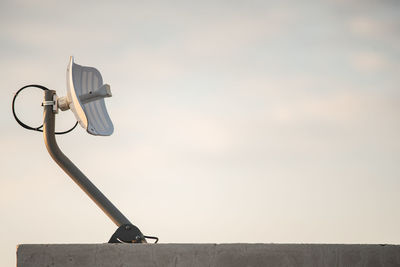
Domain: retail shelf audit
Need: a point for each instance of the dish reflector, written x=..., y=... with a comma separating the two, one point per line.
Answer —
x=85, y=94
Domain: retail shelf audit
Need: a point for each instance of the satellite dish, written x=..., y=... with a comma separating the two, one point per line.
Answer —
x=85, y=97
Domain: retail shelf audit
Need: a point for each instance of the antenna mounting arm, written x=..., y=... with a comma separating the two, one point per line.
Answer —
x=126, y=229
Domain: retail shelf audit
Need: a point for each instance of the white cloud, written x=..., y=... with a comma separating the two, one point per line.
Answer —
x=368, y=61
x=366, y=26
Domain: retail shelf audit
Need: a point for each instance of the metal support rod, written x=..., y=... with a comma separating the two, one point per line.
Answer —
x=79, y=178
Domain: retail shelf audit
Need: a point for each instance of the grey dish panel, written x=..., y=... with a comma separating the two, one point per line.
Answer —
x=87, y=80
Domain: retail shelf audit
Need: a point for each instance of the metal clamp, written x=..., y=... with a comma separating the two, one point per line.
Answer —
x=48, y=103
x=127, y=233
x=52, y=103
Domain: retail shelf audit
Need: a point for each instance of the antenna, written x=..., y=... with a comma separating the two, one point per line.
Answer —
x=85, y=98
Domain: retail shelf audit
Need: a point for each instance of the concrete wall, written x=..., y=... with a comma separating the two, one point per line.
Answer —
x=210, y=255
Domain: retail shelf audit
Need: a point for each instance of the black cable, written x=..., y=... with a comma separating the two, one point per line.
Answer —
x=27, y=126
x=151, y=237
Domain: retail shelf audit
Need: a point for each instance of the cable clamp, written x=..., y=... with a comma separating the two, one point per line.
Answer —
x=48, y=103
x=52, y=103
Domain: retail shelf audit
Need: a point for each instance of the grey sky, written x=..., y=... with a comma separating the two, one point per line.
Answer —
x=235, y=121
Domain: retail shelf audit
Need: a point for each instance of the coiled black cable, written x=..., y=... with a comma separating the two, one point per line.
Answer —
x=27, y=126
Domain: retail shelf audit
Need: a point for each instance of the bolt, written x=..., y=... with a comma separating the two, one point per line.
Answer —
x=128, y=227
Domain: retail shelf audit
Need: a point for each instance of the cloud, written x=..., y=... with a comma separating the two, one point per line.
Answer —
x=369, y=61
x=366, y=26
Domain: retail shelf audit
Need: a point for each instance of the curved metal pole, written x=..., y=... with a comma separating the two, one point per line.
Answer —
x=79, y=178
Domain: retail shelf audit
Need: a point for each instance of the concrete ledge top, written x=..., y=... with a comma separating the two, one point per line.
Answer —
x=210, y=255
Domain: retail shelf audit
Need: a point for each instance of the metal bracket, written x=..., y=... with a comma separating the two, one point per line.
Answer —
x=127, y=233
x=52, y=103
x=48, y=103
